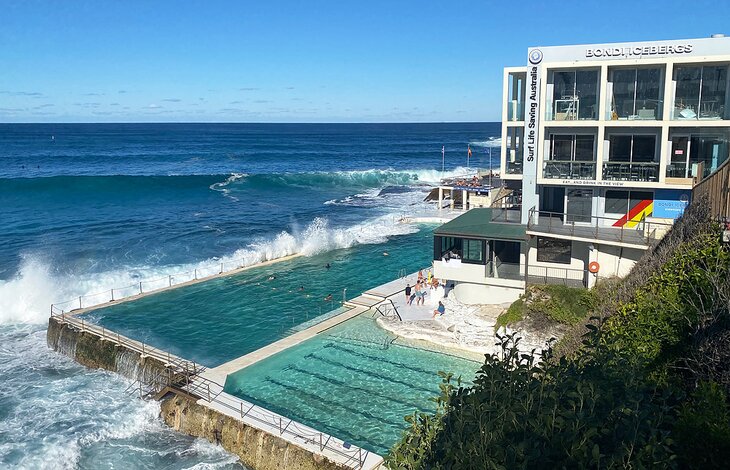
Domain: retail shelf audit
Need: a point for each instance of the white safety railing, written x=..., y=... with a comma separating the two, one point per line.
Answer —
x=185, y=375
x=147, y=286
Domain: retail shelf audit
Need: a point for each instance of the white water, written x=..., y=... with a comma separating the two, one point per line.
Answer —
x=54, y=414
x=27, y=296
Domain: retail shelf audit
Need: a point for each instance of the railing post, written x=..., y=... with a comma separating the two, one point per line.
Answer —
x=140, y=287
x=169, y=280
x=80, y=302
x=221, y=268
x=195, y=274
x=112, y=295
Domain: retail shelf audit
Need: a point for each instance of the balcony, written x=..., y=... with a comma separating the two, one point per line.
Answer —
x=631, y=171
x=590, y=228
x=514, y=168
x=553, y=169
x=538, y=274
x=515, y=111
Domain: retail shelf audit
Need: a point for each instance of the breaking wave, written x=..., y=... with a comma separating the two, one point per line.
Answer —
x=26, y=298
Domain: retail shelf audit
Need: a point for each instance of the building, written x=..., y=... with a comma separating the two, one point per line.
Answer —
x=601, y=147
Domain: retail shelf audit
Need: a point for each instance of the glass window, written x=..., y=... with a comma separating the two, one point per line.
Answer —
x=474, y=251
x=575, y=94
x=514, y=150
x=636, y=197
x=644, y=148
x=649, y=92
x=450, y=248
x=516, y=97
x=624, y=82
x=617, y=202
x=701, y=92
x=619, y=148
x=620, y=202
x=562, y=147
x=553, y=250
x=579, y=205
x=507, y=252
x=584, y=146
x=687, y=95
x=713, y=91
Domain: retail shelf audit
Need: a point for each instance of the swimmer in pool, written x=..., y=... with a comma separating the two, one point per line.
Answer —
x=328, y=298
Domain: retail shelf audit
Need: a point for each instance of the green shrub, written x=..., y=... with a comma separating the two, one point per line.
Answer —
x=521, y=413
x=559, y=304
x=703, y=429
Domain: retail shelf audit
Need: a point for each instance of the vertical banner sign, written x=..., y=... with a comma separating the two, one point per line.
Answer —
x=531, y=138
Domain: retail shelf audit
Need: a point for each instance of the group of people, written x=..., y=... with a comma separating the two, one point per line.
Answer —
x=420, y=290
x=475, y=182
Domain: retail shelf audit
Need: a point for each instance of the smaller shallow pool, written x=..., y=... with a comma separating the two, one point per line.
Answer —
x=354, y=381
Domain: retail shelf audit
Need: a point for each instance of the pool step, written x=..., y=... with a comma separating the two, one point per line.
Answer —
x=362, y=301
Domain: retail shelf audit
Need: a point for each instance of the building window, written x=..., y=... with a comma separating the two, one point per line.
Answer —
x=474, y=251
x=553, y=250
x=571, y=156
x=620, y=202
x=701, y=92
x=632, y=158
x=636, y=93
x=575, y=95
x=516, y=96
x=514, y=150
x=464, y=249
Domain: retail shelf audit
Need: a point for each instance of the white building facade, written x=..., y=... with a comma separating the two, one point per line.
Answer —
x=601, y=145
x=611, y=136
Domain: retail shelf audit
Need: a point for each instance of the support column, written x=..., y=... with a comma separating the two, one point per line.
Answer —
x=441, y=197
x=464, y=197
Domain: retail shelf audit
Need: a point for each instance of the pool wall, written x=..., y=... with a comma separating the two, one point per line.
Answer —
x=92, y=350
x=257, y=449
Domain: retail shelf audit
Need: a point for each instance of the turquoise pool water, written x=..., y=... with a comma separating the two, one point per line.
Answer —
x=351, y=381
x=219, y=320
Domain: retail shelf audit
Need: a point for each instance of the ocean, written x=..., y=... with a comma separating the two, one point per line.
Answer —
x=88, y=207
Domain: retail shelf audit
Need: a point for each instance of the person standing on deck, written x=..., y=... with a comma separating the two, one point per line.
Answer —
x=408, y=294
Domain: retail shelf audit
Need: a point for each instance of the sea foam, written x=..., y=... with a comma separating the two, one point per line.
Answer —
x=26, y=298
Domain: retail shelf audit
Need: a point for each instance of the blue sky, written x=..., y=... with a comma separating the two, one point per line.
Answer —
x=299, y=61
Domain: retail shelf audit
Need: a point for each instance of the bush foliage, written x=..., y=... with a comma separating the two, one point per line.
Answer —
x=646, y=388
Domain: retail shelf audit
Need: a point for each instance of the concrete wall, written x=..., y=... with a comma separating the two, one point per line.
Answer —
x=459, y=271
x=498, y=292
x=616, y=261
x=91, y=351
x=257, y=449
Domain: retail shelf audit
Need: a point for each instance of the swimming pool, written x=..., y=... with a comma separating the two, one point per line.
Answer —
x=354, y=381
x=221, y=319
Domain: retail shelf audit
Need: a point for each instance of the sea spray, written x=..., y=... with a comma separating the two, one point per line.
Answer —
x=27, y=297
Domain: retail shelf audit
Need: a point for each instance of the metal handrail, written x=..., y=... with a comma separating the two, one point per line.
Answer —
x=385, y=313
x=190, y=381
x=647, y=229
x=132, y=290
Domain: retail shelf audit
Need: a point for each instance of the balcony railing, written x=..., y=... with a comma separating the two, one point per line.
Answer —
x=511, y=213
x=499, y=270
x=631, y=171
x=514, y=168
x=515, y=110
x=538, y=274
x=569, y=170
x=594, y=228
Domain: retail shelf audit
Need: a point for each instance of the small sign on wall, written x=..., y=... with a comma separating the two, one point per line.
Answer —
x=670, y=203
